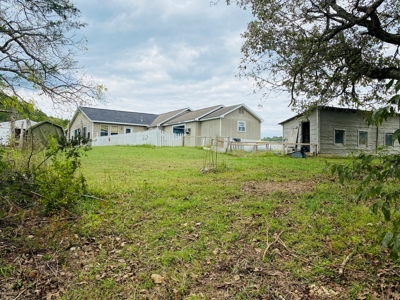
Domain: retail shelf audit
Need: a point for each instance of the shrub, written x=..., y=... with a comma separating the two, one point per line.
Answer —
x=51, y=183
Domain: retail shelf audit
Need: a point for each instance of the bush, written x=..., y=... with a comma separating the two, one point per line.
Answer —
x=51, y=183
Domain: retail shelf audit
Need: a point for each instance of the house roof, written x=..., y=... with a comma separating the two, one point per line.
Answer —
x=168, y=116
x=117, y=116
x=195, y=115
x=221, y=113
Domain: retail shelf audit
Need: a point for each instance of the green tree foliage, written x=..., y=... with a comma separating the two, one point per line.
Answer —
x=26, y=110
x=378, y=177
x=272, y=139
x=323, y=50
x=38, y=46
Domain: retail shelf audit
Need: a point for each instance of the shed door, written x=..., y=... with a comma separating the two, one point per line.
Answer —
x=305, y=132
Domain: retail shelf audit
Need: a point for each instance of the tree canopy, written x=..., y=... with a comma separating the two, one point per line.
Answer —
x=320, y=50
x=38, y=46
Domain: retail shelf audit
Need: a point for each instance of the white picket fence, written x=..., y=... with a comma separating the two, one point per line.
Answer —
x=154, y=137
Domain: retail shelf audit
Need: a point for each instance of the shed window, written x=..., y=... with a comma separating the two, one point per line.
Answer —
x=363, y=138
x=339, y=136
x=241, y=126
x=103, y=130
x=114, y=130
x=389, y=139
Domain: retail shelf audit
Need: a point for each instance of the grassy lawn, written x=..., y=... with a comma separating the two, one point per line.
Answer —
x=262, y=227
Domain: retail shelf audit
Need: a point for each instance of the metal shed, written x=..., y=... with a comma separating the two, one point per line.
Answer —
x=42, y=131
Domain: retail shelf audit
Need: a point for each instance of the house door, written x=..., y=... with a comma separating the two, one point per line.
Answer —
x=305, y=132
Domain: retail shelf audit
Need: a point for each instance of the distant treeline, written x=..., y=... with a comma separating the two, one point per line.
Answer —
x=33, y=114
x=273, y=139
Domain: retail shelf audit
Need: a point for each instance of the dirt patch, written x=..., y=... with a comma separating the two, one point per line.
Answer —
x=270, y=186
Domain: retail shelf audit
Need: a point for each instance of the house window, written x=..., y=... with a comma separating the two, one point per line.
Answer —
x=128, y=130
x=103, y=130
x=241, y=126
x=178, y=129
x=241, y=110
x=363, y=138
x=389, y=139
x=77, y=132
x=339, y=136
x=114, y=130
x=84, y=132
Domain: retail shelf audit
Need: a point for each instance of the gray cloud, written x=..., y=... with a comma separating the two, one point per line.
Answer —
x=160, y=55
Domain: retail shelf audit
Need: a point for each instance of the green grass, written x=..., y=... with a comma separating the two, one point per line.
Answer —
x=207, y=233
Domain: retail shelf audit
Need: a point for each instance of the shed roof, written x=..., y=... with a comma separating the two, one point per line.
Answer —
x=118, y=116
x=332, y=108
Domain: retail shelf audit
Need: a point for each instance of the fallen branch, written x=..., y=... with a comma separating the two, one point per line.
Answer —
x=270, y=244
x=344, y=263
x=291, y=252
x=20, y=294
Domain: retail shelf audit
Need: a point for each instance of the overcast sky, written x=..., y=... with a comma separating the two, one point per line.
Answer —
x=161, y=55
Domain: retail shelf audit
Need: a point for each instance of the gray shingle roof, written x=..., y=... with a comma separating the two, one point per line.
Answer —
x=221, y=112
x=168, y=115
x=194, y=115
x=117, y=116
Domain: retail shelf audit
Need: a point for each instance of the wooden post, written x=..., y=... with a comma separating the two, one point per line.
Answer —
x=21, y=136
x=12, y=122
x=183, y=141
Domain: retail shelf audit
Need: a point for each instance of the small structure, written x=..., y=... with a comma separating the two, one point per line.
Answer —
x=40, y=133
x=337, y=131
x=20, y=127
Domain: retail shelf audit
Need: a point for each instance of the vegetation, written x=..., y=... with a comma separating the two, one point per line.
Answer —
x=273, y=139
x=378, y=176
x=46, y=179
x=326, y=51
x=261, y=226
x=38, y=46
x=24, y=111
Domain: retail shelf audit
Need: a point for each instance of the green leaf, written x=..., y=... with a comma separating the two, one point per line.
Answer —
x=375, y=208
x=389, y=84
x=395, y=100
x=396, y=243
x=386, y=240
x=386, y=211
x=396, y=135
x=361, y=196
x=397, y=86
x=394, y=254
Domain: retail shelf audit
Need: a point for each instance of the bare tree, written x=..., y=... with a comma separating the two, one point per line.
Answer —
x=38, y=46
